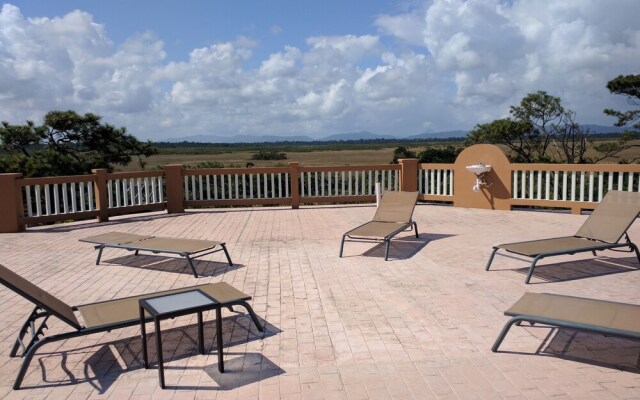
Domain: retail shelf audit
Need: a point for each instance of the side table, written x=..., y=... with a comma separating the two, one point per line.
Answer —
x=175, y=305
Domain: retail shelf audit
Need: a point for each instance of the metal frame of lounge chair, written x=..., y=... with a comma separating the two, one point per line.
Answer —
x=524, y=310
x=47, y=305
x=382, y=220
x=585, y=240
x=136, y=243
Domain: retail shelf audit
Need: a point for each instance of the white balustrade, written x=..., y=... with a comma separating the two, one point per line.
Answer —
x=135, y=191
x=58, y=198
x=578, y=186
x=273, y=185
x=435, y=182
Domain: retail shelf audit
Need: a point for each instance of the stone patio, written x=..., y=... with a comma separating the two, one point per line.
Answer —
x=418, y=326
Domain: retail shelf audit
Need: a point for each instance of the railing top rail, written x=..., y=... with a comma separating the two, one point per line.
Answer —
x=232, y=171
x=339, y=168
x=577, y=167
x=50, y=180
x=136, y=174
x=436, y=166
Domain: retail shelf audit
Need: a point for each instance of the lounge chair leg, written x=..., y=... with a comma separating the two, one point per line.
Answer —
x=533, y=265
x=191, y=265
x=26, y=327
x=493, y=253
x=342, y=245
x=253, y=315
x=504, y=332
x=386, y=249
x=99, y=248
x=635, y=248
x=415, y=226
x=226, y=253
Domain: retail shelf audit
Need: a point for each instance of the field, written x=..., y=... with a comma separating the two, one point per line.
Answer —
x=239, y=155
x=305, y=154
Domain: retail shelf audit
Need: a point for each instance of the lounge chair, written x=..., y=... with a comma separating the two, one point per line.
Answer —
x=98, y=317
x=187, y=248
x=578, y=313
x=393, y=216
x=602, y=230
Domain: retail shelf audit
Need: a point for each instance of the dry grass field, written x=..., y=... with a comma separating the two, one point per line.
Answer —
x=239, y=157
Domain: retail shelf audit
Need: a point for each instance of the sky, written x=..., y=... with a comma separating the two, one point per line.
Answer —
x=167, y=69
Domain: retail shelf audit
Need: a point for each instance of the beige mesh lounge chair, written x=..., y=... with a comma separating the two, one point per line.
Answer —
x=98, y=317
x=392, y=217
x=602, y=230
x=590, y=315
x=187, y=248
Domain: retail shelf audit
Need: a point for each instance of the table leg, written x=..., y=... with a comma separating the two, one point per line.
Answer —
x=143, y=333
x=159, y=347
x=219, y=337
x=200, y=333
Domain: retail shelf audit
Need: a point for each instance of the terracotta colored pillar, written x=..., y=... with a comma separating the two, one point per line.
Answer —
x=294, y=172
x=408, y=174
x=11, y=208
x=102, y=195
x=496, y=195
x=175, y=188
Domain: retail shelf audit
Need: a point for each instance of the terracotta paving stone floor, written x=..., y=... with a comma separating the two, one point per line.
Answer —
x=418, y=326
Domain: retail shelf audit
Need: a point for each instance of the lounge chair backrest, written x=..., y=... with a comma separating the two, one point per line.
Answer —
x=38, y=296
x=612, y=217
x=396, y=207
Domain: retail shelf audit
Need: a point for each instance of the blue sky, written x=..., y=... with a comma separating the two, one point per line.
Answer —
x=169, y=69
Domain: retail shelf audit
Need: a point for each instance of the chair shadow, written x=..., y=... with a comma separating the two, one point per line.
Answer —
x=176, y=265
x=588, y=348
x=581, y=269
x=402, y=248
x=105, y=365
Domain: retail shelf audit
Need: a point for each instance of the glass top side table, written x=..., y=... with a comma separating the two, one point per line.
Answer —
x=175, y=305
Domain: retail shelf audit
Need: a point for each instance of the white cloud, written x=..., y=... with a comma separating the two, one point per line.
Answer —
x=446, y=64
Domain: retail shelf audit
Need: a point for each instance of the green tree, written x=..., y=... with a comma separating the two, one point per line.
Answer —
x=435, y=154
x=540, y=129
x=629, y=86
x=68, y=143
x=402, y=152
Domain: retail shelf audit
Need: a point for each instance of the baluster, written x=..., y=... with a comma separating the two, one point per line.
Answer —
x=573, y=185
x=161, y=189
x=356, y=182
x=237, y=193
x=321, y=183
x=56, y=199
x=600, y=185
x=286, y=184
x=620, y=180
x=515, y=193
x=47, y=200
x=565, y=175
x=38, y=201
x=90, y=192
x=610, y=182
x=582, y=186
x=132, y=191
x=251, y=185
x=82, y=198
x=74, y=206
x=591, y=186
x=364, y=182
x=200, y=188
x=215, y=187
x=547, y=185
x=208, y=181
x=222, y=187
x=154, y=187
x=27, y=190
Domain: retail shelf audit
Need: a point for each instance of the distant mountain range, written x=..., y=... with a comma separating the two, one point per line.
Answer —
x=364, y=135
